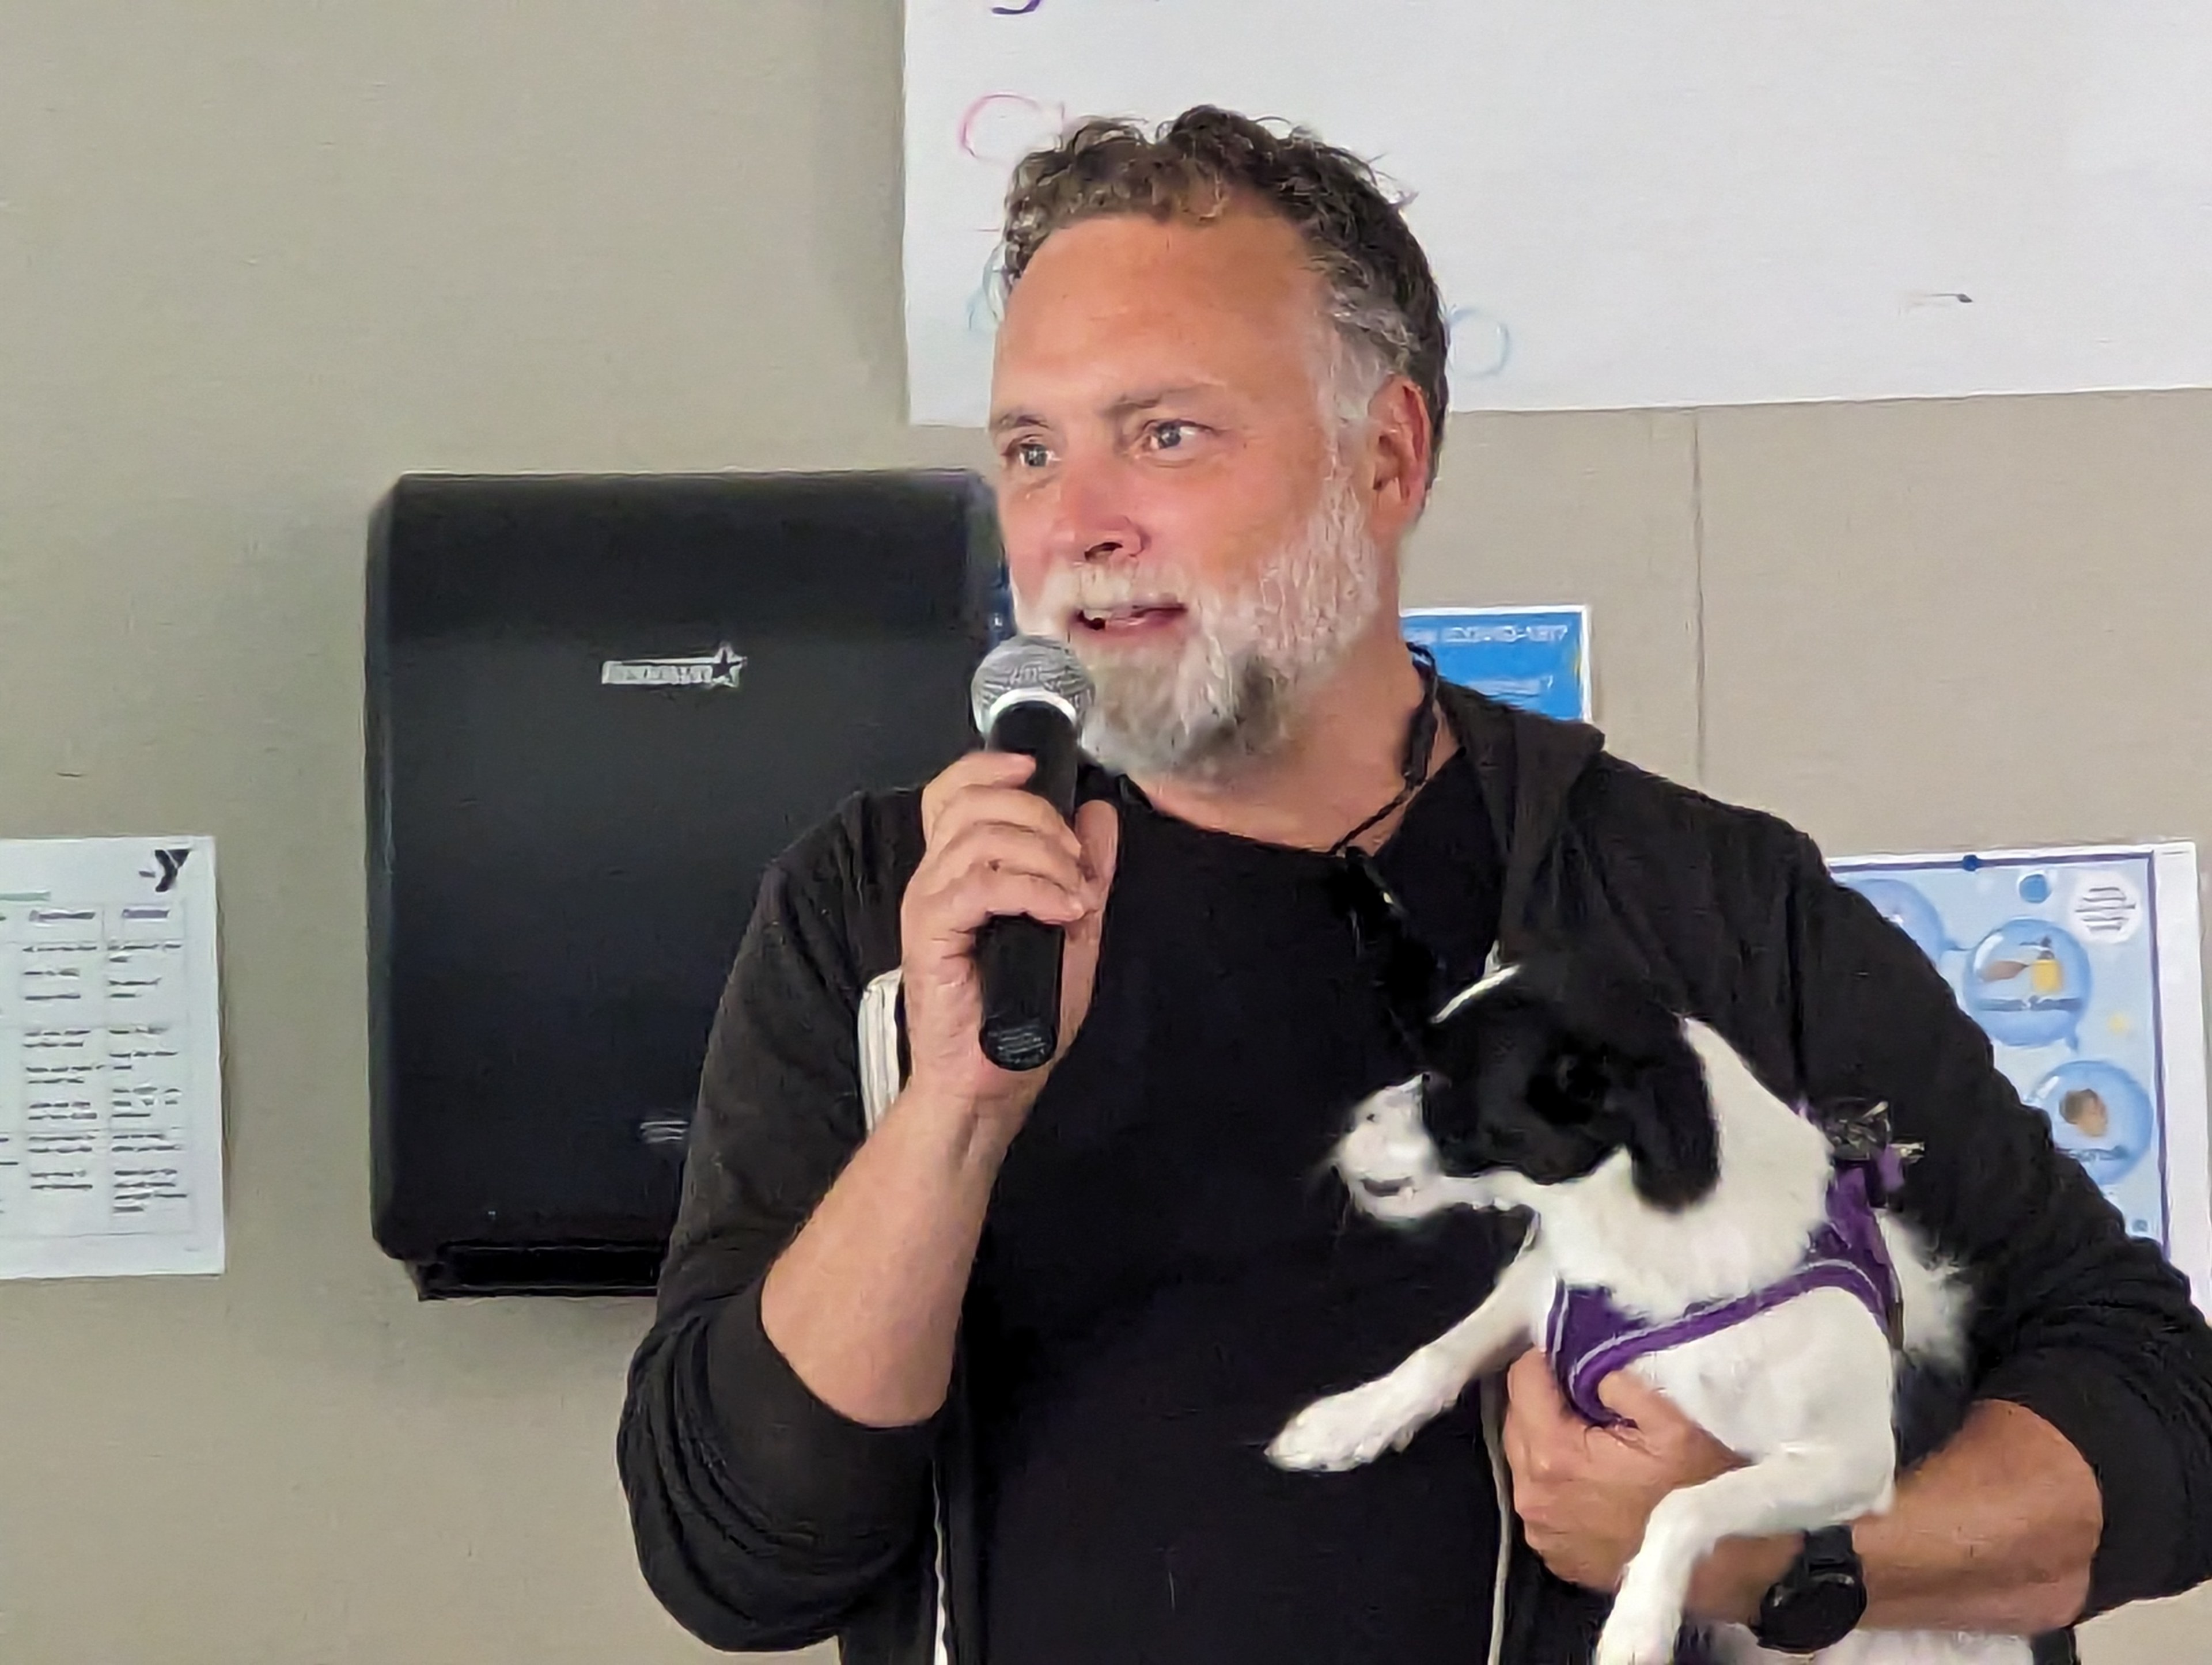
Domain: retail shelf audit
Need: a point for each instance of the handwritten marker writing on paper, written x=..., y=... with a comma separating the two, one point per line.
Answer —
x=1003, y=127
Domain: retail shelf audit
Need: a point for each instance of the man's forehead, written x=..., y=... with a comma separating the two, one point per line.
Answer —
x=1123, y=309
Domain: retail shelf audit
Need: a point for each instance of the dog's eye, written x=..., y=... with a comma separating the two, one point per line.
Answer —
x=1578, y=1087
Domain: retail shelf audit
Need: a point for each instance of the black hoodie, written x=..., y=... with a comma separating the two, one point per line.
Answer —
x=764, y=1519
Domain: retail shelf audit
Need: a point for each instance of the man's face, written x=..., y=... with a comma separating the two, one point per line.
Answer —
x=1174, y=499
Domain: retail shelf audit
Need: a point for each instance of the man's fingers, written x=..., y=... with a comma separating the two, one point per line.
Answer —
x=1627, y=1395
x=1533, y=1391
x=959, y=903
x=1655, y=1423
x=1540, y=1427
x=1662, y=1430
x=1002, y=894
x=978, y=769
x=994, y=847
x=1001, y=807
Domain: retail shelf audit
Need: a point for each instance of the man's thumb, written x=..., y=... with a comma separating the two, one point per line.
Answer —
x=1098, y=829
x=1629, y=1397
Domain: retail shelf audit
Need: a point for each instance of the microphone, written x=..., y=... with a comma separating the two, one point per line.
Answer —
x=1031, y=694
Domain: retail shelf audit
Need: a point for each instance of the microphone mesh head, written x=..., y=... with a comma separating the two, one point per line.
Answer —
x=1027, y=663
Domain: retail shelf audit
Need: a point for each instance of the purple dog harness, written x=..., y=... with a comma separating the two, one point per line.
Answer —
x=1588, y=1338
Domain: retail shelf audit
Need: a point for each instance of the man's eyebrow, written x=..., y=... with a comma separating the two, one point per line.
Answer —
x=1130, y=404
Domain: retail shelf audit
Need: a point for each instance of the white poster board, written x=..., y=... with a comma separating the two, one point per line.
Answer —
x=1688, y=203
x=111, y=1066
x=2084, y=967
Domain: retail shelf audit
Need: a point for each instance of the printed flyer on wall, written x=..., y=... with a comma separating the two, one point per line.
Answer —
x=2083, y=968
x=1535, y=657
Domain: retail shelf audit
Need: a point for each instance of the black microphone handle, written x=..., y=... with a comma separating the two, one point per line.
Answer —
x=1017, y=958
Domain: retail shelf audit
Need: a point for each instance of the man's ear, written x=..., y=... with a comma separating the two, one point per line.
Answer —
x=1674, y=1144
x=1400, y=446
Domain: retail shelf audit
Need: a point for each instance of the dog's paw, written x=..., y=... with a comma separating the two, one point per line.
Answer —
x=1349, y=1428
x=1638, y=1631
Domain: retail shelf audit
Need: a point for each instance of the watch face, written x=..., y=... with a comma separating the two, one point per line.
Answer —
x=1815, y=1615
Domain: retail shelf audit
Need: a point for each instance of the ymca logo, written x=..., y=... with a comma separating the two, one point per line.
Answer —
x=171, y=862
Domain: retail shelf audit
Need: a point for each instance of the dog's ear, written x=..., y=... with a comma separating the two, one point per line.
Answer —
x=1674, y=1143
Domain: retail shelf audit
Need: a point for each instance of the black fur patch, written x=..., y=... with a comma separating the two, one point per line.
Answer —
x=1561, y=1066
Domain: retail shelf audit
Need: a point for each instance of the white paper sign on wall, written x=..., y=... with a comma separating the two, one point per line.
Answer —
x=1704, y=202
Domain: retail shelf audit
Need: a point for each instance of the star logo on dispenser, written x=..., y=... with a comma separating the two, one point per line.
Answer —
x=720, y=669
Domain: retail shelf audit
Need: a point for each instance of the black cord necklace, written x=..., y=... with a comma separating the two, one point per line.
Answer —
x=1420, y=746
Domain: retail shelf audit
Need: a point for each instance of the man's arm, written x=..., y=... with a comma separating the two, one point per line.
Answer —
x=776, y=1440
x=1994, y=1532
x=763, y=1518
x=865, y=1302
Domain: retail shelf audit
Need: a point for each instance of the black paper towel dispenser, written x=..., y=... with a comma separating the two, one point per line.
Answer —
x=597, y=706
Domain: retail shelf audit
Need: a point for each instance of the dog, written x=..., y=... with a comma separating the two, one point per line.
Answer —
x=1676, y=1204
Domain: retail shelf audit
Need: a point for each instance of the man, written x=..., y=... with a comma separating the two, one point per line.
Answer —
x=992, y=1381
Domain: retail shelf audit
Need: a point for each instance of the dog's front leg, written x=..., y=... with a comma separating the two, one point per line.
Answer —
x=1804, y=1486
x=1349, y=1428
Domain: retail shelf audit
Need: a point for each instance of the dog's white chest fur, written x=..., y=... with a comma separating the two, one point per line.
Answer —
x=1801, y=1391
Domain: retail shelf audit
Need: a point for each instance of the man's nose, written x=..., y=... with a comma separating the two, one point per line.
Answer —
x=1094, y=521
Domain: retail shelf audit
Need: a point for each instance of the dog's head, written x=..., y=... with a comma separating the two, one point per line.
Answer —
x=1539, y=1076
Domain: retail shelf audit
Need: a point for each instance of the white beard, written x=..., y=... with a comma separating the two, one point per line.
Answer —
x=1228, y=692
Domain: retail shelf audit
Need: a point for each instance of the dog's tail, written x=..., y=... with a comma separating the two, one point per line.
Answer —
x=1932, y=1295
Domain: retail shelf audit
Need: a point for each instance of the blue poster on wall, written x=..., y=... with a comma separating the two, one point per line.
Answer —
x=1537, y=658
x=2082, y=968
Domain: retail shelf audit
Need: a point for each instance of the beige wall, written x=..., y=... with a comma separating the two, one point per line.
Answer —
x=258, y=258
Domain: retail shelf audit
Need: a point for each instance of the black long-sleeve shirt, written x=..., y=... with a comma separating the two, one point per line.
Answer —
x=764, y=1519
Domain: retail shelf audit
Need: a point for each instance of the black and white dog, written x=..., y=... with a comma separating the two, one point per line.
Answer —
x=1688, y=1225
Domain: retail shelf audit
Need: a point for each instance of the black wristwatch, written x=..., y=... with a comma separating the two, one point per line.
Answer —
x=1820, y=1601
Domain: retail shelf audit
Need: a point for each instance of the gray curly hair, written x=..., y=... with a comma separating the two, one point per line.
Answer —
x=1388, y=316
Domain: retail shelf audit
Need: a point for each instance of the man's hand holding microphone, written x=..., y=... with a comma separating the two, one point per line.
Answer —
x=999, y=930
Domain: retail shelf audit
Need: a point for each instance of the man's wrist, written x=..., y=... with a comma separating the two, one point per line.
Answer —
x=979, y=1130
x=1730, y=1582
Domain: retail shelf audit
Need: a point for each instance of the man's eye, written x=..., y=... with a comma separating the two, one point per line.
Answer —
x=1028, y=453
x=1171, y=436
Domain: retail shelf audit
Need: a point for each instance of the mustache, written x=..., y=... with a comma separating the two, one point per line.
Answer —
x=1097, y=587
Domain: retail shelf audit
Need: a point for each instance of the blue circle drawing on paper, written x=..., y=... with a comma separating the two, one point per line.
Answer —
x=2035, y=888
x=2027, y=983
x=1478, y=346
x=2100, y=1116
x=984, y=312
x=1904, y=907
